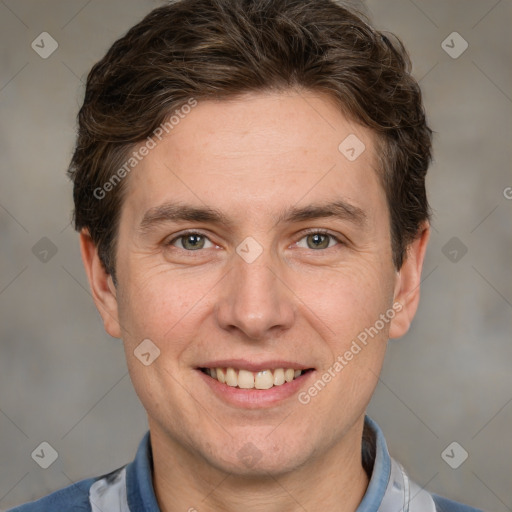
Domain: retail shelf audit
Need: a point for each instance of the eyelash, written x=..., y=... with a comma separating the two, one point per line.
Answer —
x=308, y=232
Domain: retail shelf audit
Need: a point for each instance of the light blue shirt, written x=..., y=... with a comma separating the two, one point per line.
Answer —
x=130, y=488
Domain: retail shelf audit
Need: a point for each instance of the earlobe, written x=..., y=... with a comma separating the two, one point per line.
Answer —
x=102, y=286
x=407, y=289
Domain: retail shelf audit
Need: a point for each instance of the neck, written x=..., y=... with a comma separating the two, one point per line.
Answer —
x=333, y=481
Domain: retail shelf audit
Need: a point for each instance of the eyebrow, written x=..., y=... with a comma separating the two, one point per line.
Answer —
x=176, y=212
x=338, y=209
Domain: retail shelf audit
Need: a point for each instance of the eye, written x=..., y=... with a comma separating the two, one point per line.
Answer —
x=191, y=242
x=317, y=240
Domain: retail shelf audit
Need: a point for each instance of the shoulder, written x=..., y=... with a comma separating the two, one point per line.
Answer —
x=74, y=498
x=101, y=493
x=446, y=505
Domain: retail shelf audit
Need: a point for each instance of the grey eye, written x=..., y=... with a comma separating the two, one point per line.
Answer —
x=317, y=241
x=192, y=242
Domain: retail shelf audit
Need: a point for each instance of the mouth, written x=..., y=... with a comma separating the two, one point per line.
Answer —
x=261, y=379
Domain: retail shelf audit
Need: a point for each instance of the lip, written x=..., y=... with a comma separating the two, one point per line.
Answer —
x=251, y=366
x=256, y=398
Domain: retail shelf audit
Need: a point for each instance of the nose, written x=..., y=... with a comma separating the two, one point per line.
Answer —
x=255, y=301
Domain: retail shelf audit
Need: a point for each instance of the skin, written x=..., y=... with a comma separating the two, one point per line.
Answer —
x=253, y=158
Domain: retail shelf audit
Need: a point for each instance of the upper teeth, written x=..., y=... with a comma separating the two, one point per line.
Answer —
x=244, y=379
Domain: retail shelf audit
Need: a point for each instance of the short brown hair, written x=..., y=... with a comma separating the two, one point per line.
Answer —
x=215, y=49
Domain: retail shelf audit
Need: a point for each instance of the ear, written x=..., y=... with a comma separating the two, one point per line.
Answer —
x=407, y=288
x=102, y=285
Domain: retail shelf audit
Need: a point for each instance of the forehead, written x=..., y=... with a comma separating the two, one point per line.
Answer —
x=262, y=149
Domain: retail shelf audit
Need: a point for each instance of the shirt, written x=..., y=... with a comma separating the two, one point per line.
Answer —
x=130, y=488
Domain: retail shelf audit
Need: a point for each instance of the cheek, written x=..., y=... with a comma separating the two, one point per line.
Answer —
x=347, y=309
x=161, y=305
x=350, y=305
x=346, y=300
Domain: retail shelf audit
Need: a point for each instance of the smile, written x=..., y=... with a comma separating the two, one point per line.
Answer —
x=244, y=379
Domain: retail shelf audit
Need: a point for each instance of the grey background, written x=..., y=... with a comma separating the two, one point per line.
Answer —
x=64, y=381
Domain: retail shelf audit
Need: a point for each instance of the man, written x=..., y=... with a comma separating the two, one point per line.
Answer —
x=249, y=185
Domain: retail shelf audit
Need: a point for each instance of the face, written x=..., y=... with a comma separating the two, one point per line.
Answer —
x=252, y=250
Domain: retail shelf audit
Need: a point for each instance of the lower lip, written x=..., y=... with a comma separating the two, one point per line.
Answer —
x=256, y=398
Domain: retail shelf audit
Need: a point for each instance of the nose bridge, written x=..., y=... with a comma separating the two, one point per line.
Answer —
x=255, y=300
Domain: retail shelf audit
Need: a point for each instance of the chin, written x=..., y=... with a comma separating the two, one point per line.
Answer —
x=259, y=457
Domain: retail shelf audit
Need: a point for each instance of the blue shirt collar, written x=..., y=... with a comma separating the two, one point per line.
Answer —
x=140, y=492
x=141, y=495
x=381, y=469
